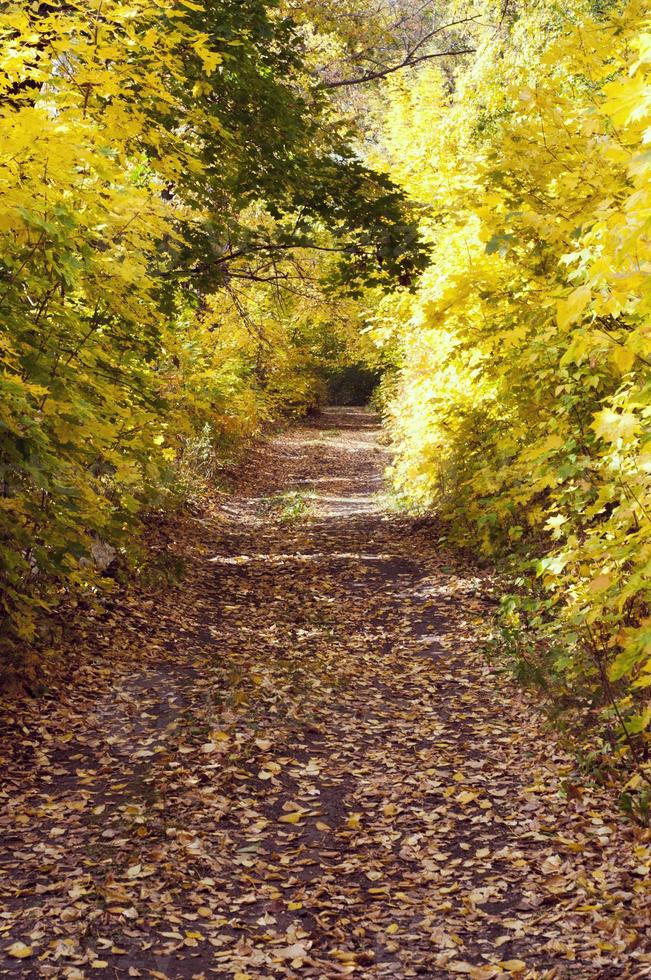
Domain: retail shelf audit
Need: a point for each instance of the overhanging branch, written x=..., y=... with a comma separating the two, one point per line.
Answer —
x=412, y=58
x=407, y=63
x=253, y=248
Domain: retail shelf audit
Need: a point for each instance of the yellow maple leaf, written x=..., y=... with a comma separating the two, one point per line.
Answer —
x=613, y=426
x=570, y=309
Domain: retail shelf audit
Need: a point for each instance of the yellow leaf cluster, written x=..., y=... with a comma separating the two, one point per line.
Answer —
x=522, y=403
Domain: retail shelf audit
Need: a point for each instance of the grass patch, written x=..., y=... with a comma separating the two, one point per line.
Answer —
x=290, y=506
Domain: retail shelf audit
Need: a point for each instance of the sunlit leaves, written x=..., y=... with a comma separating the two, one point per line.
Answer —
x=524, y=395
x=161, y=166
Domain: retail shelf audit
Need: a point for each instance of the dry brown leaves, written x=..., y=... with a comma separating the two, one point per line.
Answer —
x=297, y=765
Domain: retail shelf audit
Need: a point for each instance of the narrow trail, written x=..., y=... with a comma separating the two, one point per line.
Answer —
x=297, y=764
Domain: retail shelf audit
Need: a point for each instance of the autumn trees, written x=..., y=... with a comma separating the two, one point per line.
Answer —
x=523, y=397
x=168, y=175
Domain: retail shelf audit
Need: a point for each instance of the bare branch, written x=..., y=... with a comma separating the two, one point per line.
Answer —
x=408, y=62
x=411, y=58
x=265, y=247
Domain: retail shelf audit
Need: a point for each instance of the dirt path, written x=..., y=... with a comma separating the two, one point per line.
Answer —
x=296, y=764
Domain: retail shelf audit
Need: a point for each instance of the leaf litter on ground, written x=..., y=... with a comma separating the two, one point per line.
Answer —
x=297, y=763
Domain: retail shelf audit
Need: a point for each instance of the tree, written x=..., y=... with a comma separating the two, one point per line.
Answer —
x=522, y=399
x=155, y=157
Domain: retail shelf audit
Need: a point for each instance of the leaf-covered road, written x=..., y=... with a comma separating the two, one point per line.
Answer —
x=297, y=764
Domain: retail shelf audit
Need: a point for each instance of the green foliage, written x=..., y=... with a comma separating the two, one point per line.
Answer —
x=175, y=189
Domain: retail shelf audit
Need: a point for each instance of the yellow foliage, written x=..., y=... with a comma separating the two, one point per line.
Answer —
x=124, y=380
x=522, y=402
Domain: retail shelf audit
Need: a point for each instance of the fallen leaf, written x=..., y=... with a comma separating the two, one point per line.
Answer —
x=19, y=951
x=292, y=818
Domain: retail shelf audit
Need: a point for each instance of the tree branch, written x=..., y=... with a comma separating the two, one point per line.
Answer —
x=233, y=254
x=408, y=62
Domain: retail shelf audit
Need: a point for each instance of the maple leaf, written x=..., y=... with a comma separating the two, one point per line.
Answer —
x=615, y=426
